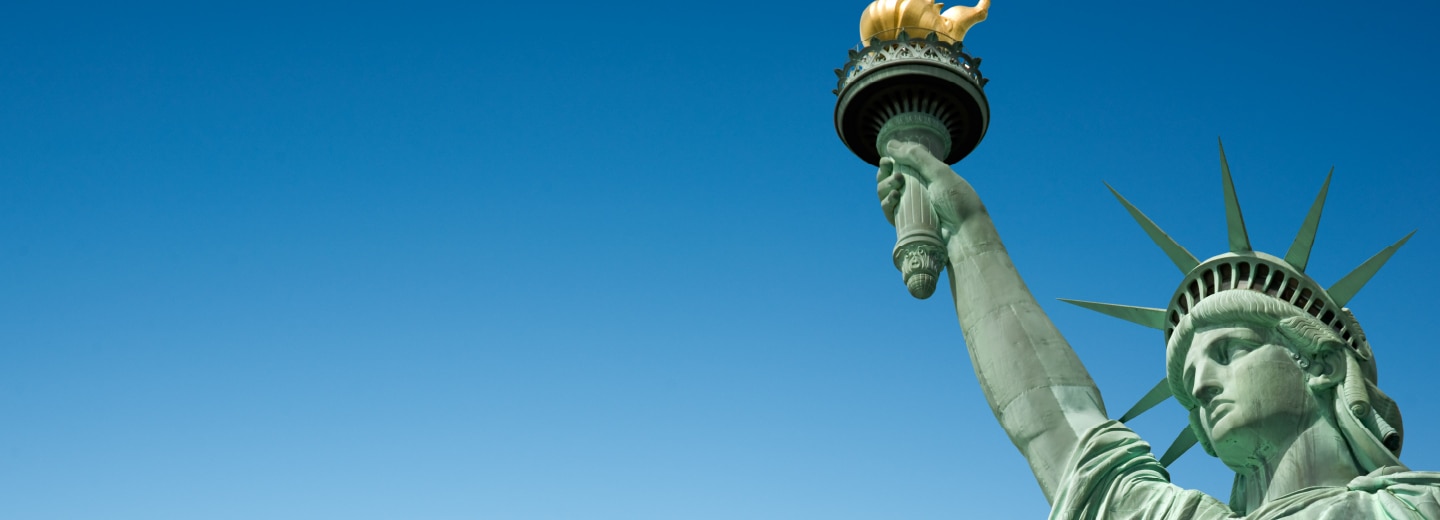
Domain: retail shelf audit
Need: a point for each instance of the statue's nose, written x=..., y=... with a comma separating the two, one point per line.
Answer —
x=1204, y=393
x=1207, y=383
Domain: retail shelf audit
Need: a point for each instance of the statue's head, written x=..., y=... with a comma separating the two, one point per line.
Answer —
x=1253, y=370
x=1257, y=350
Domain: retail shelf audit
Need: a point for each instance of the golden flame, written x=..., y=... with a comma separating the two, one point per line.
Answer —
x=919, y=18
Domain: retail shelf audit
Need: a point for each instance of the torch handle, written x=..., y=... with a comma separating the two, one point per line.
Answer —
x=919, y=253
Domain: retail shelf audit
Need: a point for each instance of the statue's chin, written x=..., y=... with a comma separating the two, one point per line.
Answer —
x=1242, y=451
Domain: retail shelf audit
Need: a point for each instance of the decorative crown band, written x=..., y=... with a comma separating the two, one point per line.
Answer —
x=1266, y=274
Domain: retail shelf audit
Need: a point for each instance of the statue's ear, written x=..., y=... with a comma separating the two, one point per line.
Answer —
x=1326, y=370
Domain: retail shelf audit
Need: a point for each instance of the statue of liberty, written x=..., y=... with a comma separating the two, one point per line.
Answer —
x=1276, y=373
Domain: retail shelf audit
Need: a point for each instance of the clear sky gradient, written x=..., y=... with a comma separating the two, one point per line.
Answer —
x=609, y=261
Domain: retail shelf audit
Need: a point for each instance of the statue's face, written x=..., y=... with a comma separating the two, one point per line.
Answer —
x=1252, y=394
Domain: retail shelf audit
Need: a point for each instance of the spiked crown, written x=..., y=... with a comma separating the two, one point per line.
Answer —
x=1243, y=268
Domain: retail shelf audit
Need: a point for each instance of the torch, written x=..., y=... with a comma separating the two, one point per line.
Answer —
x=911, y=80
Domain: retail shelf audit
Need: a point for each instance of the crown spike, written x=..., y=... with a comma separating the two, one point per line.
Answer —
x=1299, y=254
x=1178, y=255
x=1346, y=288
x=1144, y=316
x=1234, y=221
x=1155, y=396
x=1182, y=443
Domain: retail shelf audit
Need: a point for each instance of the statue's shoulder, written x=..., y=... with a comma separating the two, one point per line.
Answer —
x=1385, y=493
x=1395, y=493
x=1390, y=477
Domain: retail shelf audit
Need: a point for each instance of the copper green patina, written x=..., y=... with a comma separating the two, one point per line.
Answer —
x=1277, y=375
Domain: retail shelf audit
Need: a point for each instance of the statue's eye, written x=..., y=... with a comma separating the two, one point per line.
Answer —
x=1231, y=350
x=1235, y=349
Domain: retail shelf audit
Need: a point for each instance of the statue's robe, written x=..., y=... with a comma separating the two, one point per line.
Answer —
x=1113, y=475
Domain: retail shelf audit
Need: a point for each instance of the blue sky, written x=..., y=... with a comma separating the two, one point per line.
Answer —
x=610, y=261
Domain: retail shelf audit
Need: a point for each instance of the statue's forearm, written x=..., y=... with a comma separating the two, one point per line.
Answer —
x=1035, y=384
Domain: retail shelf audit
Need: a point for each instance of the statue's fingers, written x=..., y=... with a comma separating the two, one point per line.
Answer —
x=889, y=185
x=888, y=205
x=917, y=157
x=901, y=151
x=887, y=165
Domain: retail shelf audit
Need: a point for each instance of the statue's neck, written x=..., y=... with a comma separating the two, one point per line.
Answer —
x=1317, y=457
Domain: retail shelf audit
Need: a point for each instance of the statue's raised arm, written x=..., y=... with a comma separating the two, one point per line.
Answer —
x=1277, y=376
x=1035, y=384
x=1278, y=379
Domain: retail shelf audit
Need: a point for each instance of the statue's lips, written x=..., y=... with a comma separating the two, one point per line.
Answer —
x=1218, y=409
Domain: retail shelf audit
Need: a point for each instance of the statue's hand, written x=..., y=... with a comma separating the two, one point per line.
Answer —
x=952, y=198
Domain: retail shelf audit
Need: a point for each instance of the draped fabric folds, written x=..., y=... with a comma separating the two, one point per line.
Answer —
x=1113, y=476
